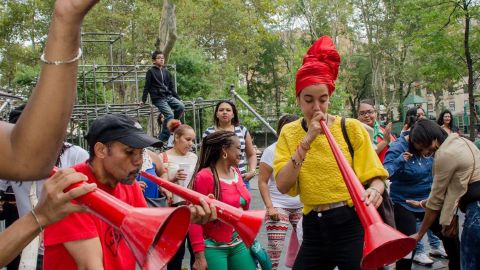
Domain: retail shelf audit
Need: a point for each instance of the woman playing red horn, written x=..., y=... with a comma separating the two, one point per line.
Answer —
x=304, y=165
x=217, y=245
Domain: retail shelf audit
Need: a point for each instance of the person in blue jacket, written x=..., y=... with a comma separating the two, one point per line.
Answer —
x=411, y=181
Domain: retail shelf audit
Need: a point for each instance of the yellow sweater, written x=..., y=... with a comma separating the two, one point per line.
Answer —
x=320, y=180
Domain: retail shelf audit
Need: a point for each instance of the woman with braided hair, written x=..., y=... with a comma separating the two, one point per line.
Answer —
x=217, y=245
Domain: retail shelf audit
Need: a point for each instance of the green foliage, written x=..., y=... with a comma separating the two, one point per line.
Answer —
x=388, y=48
x=196, y=77
x=25, y=79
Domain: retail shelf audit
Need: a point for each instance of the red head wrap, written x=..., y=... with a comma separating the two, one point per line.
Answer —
x=320, y=65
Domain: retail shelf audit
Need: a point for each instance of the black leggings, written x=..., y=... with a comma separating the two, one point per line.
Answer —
x=331, y=238
x=406, y=222
x=176, y=262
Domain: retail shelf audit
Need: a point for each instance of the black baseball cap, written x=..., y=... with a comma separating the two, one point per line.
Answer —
x=119, y=127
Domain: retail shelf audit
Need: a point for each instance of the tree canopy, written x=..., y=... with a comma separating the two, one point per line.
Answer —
x=389, y=48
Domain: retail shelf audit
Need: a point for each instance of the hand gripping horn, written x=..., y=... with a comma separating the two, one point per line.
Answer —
x=153, y=234
x=383, y=244
x=246, y=223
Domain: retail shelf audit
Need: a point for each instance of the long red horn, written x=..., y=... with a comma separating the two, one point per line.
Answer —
x=246, y=223
x=383, y=244
x=153, y=234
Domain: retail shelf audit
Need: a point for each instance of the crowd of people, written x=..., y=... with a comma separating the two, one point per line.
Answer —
x=432, y=172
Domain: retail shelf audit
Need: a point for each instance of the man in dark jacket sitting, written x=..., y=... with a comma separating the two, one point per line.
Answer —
x=160, y=86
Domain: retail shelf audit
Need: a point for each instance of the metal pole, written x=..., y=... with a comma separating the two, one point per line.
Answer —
x=195, y=123
x=111, y=63
x=259, y=117
x=95, y=82
x=136, y=84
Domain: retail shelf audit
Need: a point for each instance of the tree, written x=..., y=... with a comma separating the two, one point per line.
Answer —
x=167, y=30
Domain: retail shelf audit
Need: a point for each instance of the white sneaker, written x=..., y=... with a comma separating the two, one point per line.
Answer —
x=438, y=252
x=423, y=259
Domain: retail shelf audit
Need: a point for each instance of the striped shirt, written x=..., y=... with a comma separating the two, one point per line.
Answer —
x=241, y=133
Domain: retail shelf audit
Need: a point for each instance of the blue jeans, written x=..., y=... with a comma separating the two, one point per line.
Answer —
x=170, y=107
x=433, y=240
x=469, y=248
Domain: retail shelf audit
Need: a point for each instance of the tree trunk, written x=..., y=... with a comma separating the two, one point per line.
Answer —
x=468, y=58
x=167, y=31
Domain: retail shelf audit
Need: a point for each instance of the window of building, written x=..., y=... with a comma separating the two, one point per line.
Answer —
x=451, y=105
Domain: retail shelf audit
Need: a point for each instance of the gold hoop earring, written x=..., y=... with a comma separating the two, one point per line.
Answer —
x=225, y=155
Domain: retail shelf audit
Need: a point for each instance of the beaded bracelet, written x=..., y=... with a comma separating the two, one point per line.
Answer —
x=61, y=62
x=40, y=227
x=296, y=164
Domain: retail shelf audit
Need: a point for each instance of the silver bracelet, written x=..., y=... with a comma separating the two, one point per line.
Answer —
x=40, y=227
x=61, y=62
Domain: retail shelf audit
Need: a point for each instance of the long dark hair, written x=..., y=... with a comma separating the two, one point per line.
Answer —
x=411, y=117
x=235, y=120
x=210, y=153
x=440, y=122
x=424, y=132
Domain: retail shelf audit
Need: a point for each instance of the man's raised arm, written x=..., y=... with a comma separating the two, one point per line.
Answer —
x=29, y=148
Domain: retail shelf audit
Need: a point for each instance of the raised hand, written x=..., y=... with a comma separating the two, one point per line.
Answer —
x=407, y=156
x=388, y=132
x=73, y=11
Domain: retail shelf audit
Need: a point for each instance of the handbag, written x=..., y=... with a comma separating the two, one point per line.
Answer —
x=260, y=256
x=451, y=231
x=385, y=210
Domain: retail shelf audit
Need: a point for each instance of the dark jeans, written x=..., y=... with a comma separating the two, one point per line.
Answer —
x=176, y=262
x=10, y=215
x=170, y=107
x=406, y=223
x=331, y=238
x=470, y=249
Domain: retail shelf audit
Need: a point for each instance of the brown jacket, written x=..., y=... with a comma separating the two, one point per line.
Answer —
x=452, y=172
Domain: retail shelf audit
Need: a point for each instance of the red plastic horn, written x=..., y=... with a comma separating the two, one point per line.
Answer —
x=383, y=244
x=246, y=223
x=153, y=234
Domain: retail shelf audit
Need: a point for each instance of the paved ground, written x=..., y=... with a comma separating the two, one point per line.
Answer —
x=257, y=203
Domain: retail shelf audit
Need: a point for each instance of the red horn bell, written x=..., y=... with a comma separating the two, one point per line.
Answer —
x=153, y=234
x=383, y=244
x=246, y=223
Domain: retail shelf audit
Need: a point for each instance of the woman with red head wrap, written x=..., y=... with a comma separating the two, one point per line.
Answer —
x=304, y=165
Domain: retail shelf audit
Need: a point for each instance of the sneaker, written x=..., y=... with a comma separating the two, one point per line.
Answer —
x=423, y=259
x=438, y=252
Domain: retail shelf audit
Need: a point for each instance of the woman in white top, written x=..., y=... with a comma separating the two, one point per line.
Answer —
x=282, y=209
x=180, y=163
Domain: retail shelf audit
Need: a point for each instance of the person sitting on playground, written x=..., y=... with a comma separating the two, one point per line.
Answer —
x=160, y=86
x=82, y=240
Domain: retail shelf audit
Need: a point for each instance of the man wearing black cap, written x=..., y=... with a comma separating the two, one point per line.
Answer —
x=83, y=241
